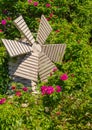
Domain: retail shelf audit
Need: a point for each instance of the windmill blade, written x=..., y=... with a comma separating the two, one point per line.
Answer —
x=28, y=68
x=43, y=31
x=45, y=67
x=54, y=51
x=22, y=27
x=16, y=48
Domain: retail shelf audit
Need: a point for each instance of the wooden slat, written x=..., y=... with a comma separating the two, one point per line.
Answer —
x=45, y=66
x=22, y=26
x=16, y=48
x=28, y=67
x=54, y=51
x=8, y=47
x=43, y=31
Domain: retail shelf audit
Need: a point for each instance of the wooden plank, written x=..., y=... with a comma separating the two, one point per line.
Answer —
x=45, y=66
x=54, y=51
x=8, y=47
x=18, y=19
x=21, y=22
x=43, y=31
x=32, y=60
x=28, y=67
x=16, y=48
x=27, y=71
x=26, y=77
x=24, y=29
x=44, y=21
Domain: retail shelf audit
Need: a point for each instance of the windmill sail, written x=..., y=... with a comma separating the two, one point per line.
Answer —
x=16, y=48
x=22, y=26
x=54, y=51
x=45, y=67
x=43, y=31
x=28, y=68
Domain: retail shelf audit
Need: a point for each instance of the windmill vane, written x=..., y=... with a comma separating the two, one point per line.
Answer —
x=39, y=57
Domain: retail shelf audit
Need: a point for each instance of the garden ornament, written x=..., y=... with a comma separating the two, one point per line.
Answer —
x=38, y=57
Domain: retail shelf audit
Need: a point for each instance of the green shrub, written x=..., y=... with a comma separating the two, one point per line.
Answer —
x=26, y=110
x=71, y=23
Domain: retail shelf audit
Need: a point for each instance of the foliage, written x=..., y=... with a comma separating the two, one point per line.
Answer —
x=4, y=76
x=27, y=111
x=71, y=22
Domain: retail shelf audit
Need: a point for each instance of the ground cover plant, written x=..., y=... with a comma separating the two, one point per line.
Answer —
x=65, y=101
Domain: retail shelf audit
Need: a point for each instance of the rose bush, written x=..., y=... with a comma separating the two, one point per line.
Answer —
x=71, y=23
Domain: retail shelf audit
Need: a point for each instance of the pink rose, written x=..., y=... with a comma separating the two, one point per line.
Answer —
x=2, y=101
x=48, y=19
x=29, y=1
x=57, y=31
x=47, y=90
x=25, y=89
x=50, y=90
x=48, y=5
x=58, y=89
x=36, y=3
x=43, y=90
x=54, y=69
x=64, y=77
x=13, y=87
x=3, y=22
x=18, y=93
x=51, y=15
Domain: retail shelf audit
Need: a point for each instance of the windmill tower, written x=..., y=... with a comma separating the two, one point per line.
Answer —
x=33, y=56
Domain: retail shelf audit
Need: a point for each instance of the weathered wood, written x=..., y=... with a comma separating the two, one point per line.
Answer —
x=22, y=26
x=45, y=66
x=54, y=51
x=43, y=31
x=38, y=58
x=16, y=48
x=28, y=69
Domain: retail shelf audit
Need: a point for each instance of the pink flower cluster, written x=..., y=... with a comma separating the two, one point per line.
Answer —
x=25, y=89
x=3, y=22
x=48, y=5
x=2, y=101
x=48, y=90
x=57, y=31
x=35, y=3
x=18, y=93
x=58, y=89
x=64, y=77
x=54, y=69
x=29, y=1
x=13, y=87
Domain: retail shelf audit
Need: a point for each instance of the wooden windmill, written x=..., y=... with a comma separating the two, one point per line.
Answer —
x=35, y=58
